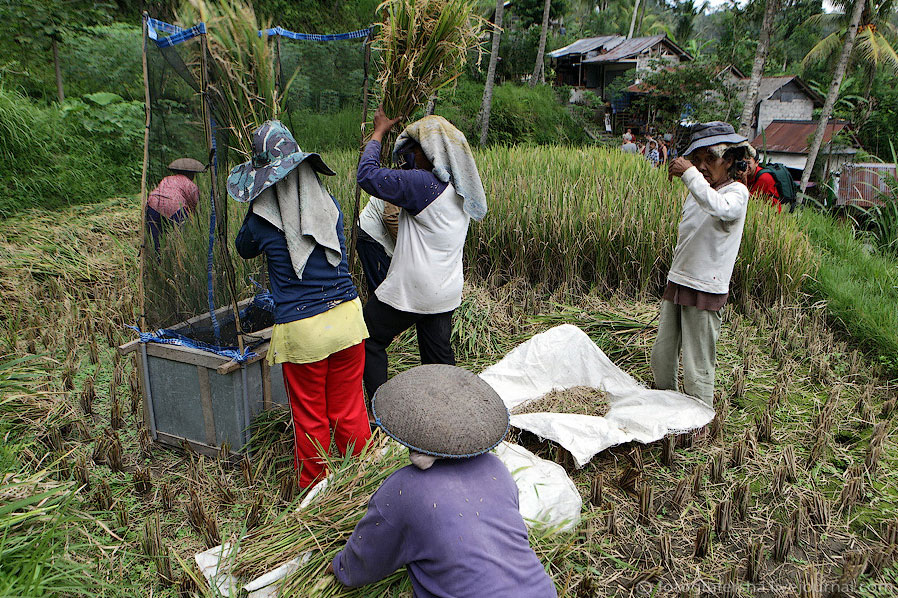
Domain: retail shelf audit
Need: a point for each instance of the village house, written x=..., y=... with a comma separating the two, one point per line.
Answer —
x=781, y=98
x=788, y=142
x=593, y=63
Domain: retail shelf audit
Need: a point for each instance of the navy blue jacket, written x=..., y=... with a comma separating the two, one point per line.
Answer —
x=322, y=286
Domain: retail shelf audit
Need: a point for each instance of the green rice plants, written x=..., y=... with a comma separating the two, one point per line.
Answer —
x=41, y=538
x=590, y=218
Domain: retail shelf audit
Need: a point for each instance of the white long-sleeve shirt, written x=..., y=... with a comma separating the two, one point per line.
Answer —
x=710, y=234
x=425, y=275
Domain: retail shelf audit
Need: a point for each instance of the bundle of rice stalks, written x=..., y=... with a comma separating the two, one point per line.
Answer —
x=321, y=528
x=423, y=46
x=244, y=82
x=581, y=400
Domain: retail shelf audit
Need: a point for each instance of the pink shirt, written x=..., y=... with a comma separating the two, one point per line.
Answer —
x=173, y=193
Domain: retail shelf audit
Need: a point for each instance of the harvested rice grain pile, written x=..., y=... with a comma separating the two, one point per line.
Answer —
x=580, y=400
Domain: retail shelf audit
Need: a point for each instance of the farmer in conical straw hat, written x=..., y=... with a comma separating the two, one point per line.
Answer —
x=698, y=282
x=175, y=197
x=319, y=332
x=438, y=197
x=451, y=518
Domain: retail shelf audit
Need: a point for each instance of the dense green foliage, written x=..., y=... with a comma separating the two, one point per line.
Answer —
x=520, y=114
x=84, y=150
x=717, y=100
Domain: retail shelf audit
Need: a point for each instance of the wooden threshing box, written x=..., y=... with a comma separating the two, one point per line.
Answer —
x=201, y=397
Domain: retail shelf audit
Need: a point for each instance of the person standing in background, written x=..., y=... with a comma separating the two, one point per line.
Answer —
x=698, y=283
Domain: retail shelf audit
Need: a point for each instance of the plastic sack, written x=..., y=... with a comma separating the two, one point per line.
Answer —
x=546, y=495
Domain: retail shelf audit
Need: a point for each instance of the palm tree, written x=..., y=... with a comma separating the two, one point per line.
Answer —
x=876, y=36
x=487, y=104
x=539, y=67
x=833, y=94
x=757, y=68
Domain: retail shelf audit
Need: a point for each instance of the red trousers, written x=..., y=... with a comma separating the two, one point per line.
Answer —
x=326, y=395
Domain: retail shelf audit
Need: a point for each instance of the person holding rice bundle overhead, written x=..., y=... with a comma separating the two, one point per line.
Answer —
x=698, y=282
x=319, y=331
x=438, y=197
x=451, y=517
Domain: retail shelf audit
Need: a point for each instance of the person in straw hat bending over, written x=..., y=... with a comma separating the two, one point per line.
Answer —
x=451, y=518
x=319, y=331
x=438, y=197
x=698, y=282
x=175, y=197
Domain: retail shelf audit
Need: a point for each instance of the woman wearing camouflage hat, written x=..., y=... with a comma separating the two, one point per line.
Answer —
x=698, y=282
x=451, y=518
x=319, y=332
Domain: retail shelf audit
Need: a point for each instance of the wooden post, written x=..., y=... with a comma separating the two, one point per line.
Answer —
x=60, y=93
x=221, y=225
x=142, y=251
x=353, y=237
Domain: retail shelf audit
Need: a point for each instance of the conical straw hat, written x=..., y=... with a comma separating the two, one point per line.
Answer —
x=441, y=410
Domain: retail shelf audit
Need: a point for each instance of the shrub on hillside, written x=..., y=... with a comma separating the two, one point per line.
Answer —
x=50, y=157
x=520, y=114
x=106, y=58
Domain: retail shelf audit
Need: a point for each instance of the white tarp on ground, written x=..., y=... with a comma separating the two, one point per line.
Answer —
x=564, y=357
x=546, y=495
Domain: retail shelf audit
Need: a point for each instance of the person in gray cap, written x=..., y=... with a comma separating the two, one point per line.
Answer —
x=174, y=199
x=698, y=282
x=451, y=518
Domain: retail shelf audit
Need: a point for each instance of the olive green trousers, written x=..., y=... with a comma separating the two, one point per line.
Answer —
x=691, y=333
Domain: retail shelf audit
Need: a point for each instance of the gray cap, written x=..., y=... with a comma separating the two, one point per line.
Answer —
x=712, y=133
x=187, y=165
x=441, y=410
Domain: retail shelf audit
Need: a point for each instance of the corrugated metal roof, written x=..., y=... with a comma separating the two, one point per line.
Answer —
x=588, y=44
x=626, y=49
x=863, y=184
x=794, y=136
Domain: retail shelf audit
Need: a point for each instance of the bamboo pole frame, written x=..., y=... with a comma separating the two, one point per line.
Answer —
x=221, y=226
x=141, y=255
x=354, y=233
x=142, y=251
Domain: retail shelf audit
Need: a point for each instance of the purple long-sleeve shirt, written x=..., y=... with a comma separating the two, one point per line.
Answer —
x=413, y=189
x=455, y=527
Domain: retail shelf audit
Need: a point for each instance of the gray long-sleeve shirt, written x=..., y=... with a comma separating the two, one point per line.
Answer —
x=457, y=529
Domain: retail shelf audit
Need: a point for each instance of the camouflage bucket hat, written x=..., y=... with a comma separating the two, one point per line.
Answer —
x=275, y=154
